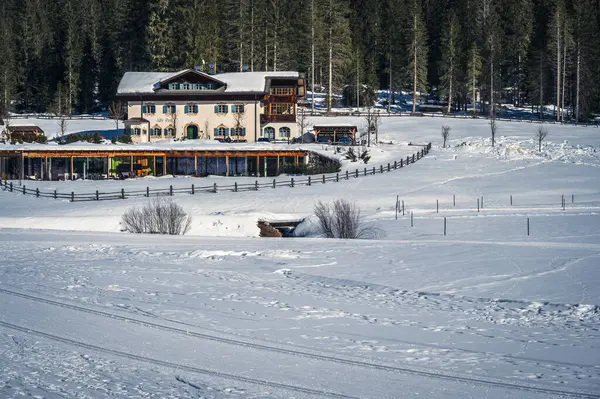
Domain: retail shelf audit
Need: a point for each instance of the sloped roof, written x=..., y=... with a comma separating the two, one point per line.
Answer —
x=236, y=82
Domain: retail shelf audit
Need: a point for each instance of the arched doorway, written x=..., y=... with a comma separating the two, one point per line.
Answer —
x=192, y=132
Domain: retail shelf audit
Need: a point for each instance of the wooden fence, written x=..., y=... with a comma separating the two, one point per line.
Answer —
x=215, y=188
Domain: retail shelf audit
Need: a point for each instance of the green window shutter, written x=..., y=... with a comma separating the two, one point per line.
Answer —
x=165, y=109
x=143, y=109
x=226, y=131
x=216, y=131
x=241, y=108
x=195, y=109
x=243, y=131
x=216, y=109
x=233, y=109
x=226, y=109
x=186, y=109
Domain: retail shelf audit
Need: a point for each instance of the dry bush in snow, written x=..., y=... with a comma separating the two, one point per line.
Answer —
x=445, y=133
x=540, y=135
x=342, y=219
x=159, y=216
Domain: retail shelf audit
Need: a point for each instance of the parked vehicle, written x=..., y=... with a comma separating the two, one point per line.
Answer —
x=263, y=140
x=345, y=141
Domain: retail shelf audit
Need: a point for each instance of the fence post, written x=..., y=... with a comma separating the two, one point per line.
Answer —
x=37, y=192
x=401, y=163
x=309, y=180
x=147, y=191
x=402, y=207
x=55, y=196
x=527, y=226
x=347, y=176
x=437, y=206
x=454, y=200
x=337, y=177
x=256, y=185
x=24, y=189
x=411, y=219
x=356, y=173
x=323, y=179
x=388, y=166
x=407, y=160
x=292, y=181
x=235, y=187
x=193, y=190
x=444, y=225
x=365, y=176
x=477, y=204
x=215, y=188
x=72, y=196
x=97, y=196
x=511, y=200
x=395, y=165
x=171, y=190
x=374, y=171
x=380, y=168
x=397, y=204
x=413, y=160
x=572, y=198
x=122, y=193
x=11, y=187
x=274, y=183
x=482, y=202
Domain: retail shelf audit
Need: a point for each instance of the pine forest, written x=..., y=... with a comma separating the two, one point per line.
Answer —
x=67, y=56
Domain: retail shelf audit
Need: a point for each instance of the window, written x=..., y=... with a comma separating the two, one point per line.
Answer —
x=191, y=109
x=148, y=109
x=238, y=131
x=173, y=86
x=186, y=86
x=282, y=91
x=169, y=109
x=237, y=108
x=221, y=109
x=282, y=109
x=221, y=131
x=169, y=131
x=137, y=131
x=284, y=132
x=155, y=131
x=210, y=86
x=269, y=133
x=196, y=86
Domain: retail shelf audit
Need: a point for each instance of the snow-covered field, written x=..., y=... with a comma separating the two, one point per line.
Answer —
x=485, y=311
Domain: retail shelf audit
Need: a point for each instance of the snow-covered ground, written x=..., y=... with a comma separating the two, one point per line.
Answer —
x=485, y=311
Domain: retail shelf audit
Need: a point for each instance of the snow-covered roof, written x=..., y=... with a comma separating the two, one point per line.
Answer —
x=335, y=125
x=236, y=82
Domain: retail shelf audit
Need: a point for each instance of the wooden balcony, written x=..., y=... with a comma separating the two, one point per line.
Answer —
x=277, y=118
x=276, y=98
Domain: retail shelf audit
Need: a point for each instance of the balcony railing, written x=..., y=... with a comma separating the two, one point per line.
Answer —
x=277, y=118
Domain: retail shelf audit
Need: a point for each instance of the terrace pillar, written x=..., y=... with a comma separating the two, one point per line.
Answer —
x=296, y=160
x=1, y=168
x=258, y=166
x=42, y=167
x=50, y=168
x=108, y=167
x=164, y=165
x=154, y=165
x=226, y=165
x=72, y=170
x=196, y=165
x=277, y=164
x=131, y=165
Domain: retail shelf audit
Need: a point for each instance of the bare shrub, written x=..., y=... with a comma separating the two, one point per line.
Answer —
x=445, y=133
x=342, y=219
x=540, y=135
x=159, y=216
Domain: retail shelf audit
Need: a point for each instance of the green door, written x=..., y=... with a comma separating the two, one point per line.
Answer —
x=192, y=132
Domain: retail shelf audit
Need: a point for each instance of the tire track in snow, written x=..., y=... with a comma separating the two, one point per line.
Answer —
x=178, y=366
x=404, y=370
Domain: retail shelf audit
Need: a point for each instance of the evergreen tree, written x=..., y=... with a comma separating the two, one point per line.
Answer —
x=417, y=51
x=450, y=48
x=475, y=65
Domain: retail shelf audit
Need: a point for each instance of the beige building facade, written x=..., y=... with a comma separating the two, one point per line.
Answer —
x=239, y=107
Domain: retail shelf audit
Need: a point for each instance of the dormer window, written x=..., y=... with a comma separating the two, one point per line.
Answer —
x=173, y=86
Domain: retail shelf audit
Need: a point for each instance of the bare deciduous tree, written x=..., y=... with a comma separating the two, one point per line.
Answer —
x=302, y=122
x=173, y=117
x=117, y=112
x=159, y=216
x=494, y=129
x=206, y=134
x=342, y=219
x=372, y=122
x=63, y=123
x=5, y=117
x=238, y=120
x=445, y=133
x=540, y=135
